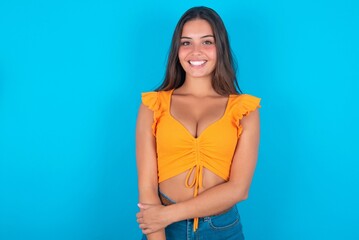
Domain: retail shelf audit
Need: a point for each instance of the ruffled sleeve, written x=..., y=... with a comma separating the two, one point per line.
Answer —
x=152, y=101
x=243, y=105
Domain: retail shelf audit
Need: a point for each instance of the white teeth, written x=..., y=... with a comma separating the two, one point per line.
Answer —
x=197, y=63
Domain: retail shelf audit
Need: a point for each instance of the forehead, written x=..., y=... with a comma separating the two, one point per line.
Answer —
x=197, y=27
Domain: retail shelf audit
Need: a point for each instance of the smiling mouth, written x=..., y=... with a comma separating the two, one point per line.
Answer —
x=197, y=63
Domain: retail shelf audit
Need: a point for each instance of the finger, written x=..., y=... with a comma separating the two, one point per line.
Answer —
x=139, y=215
x=142, y=226
x=140, y=220
x=143, y=206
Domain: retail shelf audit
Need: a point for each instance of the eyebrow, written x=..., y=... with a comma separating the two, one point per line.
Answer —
x=205, y=36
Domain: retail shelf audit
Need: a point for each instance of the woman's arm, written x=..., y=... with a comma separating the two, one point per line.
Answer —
x=147, y=164
x=220, y=197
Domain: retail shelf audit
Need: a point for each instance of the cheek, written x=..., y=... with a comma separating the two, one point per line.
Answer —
x=214, y=58
x=213, y=53
x=182, y=53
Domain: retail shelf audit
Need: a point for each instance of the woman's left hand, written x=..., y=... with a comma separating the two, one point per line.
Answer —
x=152, y=217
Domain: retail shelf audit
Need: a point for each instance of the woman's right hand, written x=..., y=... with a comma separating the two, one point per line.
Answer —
x=152, y=217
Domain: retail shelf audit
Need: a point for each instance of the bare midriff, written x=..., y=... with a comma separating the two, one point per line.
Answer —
x=178, y=192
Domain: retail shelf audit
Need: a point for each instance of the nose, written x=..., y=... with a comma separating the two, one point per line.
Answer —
x=197, y=49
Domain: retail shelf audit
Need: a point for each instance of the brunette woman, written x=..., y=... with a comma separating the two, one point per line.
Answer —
x=197, y=138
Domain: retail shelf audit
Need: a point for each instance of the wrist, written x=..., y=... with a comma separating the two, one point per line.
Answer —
x=172, y=213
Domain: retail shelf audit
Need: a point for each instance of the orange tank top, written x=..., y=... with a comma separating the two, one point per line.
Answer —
x=178, y=151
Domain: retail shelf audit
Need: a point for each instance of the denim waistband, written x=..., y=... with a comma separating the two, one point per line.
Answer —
x=165, y=199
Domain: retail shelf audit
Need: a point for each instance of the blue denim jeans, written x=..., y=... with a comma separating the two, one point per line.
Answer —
x=225, y=226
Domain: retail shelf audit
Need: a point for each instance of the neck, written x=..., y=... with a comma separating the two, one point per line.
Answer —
x=198, y=86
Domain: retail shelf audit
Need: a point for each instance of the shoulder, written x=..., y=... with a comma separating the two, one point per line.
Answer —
x=154, y=104
x=245, y=99
x=149, y=99
x=244, y=112
x=156, y=100
x=242, y=105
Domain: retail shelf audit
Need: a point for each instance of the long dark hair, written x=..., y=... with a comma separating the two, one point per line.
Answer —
x=224, y=79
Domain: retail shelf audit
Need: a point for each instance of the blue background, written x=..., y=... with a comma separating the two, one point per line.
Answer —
x=71, y=73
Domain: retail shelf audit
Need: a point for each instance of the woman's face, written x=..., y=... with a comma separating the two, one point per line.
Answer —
x=197, y=52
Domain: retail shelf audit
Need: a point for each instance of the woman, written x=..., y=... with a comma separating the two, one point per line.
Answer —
x=196, y=143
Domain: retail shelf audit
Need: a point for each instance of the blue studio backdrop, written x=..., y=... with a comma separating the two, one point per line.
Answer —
x=71, y=74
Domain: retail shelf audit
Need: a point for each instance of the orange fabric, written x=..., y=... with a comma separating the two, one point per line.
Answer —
x=178, y=151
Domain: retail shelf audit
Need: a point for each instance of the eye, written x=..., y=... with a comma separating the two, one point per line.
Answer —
x=185, y=43
x=207, y=42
